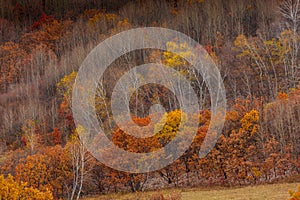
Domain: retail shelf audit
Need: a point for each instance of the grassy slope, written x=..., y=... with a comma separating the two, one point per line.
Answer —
x=262, y=192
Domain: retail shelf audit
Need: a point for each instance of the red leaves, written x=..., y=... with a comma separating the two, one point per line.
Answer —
x=44, y=19
x=56, y=136
x=24, y=141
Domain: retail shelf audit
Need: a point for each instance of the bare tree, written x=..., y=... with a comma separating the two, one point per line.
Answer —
x=290, y=10
x=77, y=153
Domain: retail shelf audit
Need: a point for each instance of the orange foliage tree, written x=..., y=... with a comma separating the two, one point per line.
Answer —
x=47, y=170
x=13, y=62
x=295, y=195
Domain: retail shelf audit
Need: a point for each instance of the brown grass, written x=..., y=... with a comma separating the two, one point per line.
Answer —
x=262, y=192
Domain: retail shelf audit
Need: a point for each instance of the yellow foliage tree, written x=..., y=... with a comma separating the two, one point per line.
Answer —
x=169, y=125
x=270, y=61
x=10, y=189
x=250, y=122
x=65, y=85
x=176, y=60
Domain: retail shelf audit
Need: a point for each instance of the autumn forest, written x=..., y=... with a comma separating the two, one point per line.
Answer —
x=255, y=45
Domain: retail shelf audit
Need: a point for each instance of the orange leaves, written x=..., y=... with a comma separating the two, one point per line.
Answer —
x=49, y=169
x=295, y=195
x=132, y=144
x=48, y=34
x=12, y=65
x=232, y=116
x=236, y=155
x=204, y=121
x=124, y=24
x=16, y=58
x=282, y=96
x=34, y=170
x=56, y=136
x=141, y=121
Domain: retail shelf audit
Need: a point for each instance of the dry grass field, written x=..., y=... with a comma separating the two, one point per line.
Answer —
x=262, y=192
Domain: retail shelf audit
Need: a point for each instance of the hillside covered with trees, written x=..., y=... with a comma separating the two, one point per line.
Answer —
x=256, y=45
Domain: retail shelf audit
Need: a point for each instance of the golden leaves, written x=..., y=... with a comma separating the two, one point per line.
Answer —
x=11, y=189
x=176, y=60
x=99, y=17
x=65, y=85
x=250, y=122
